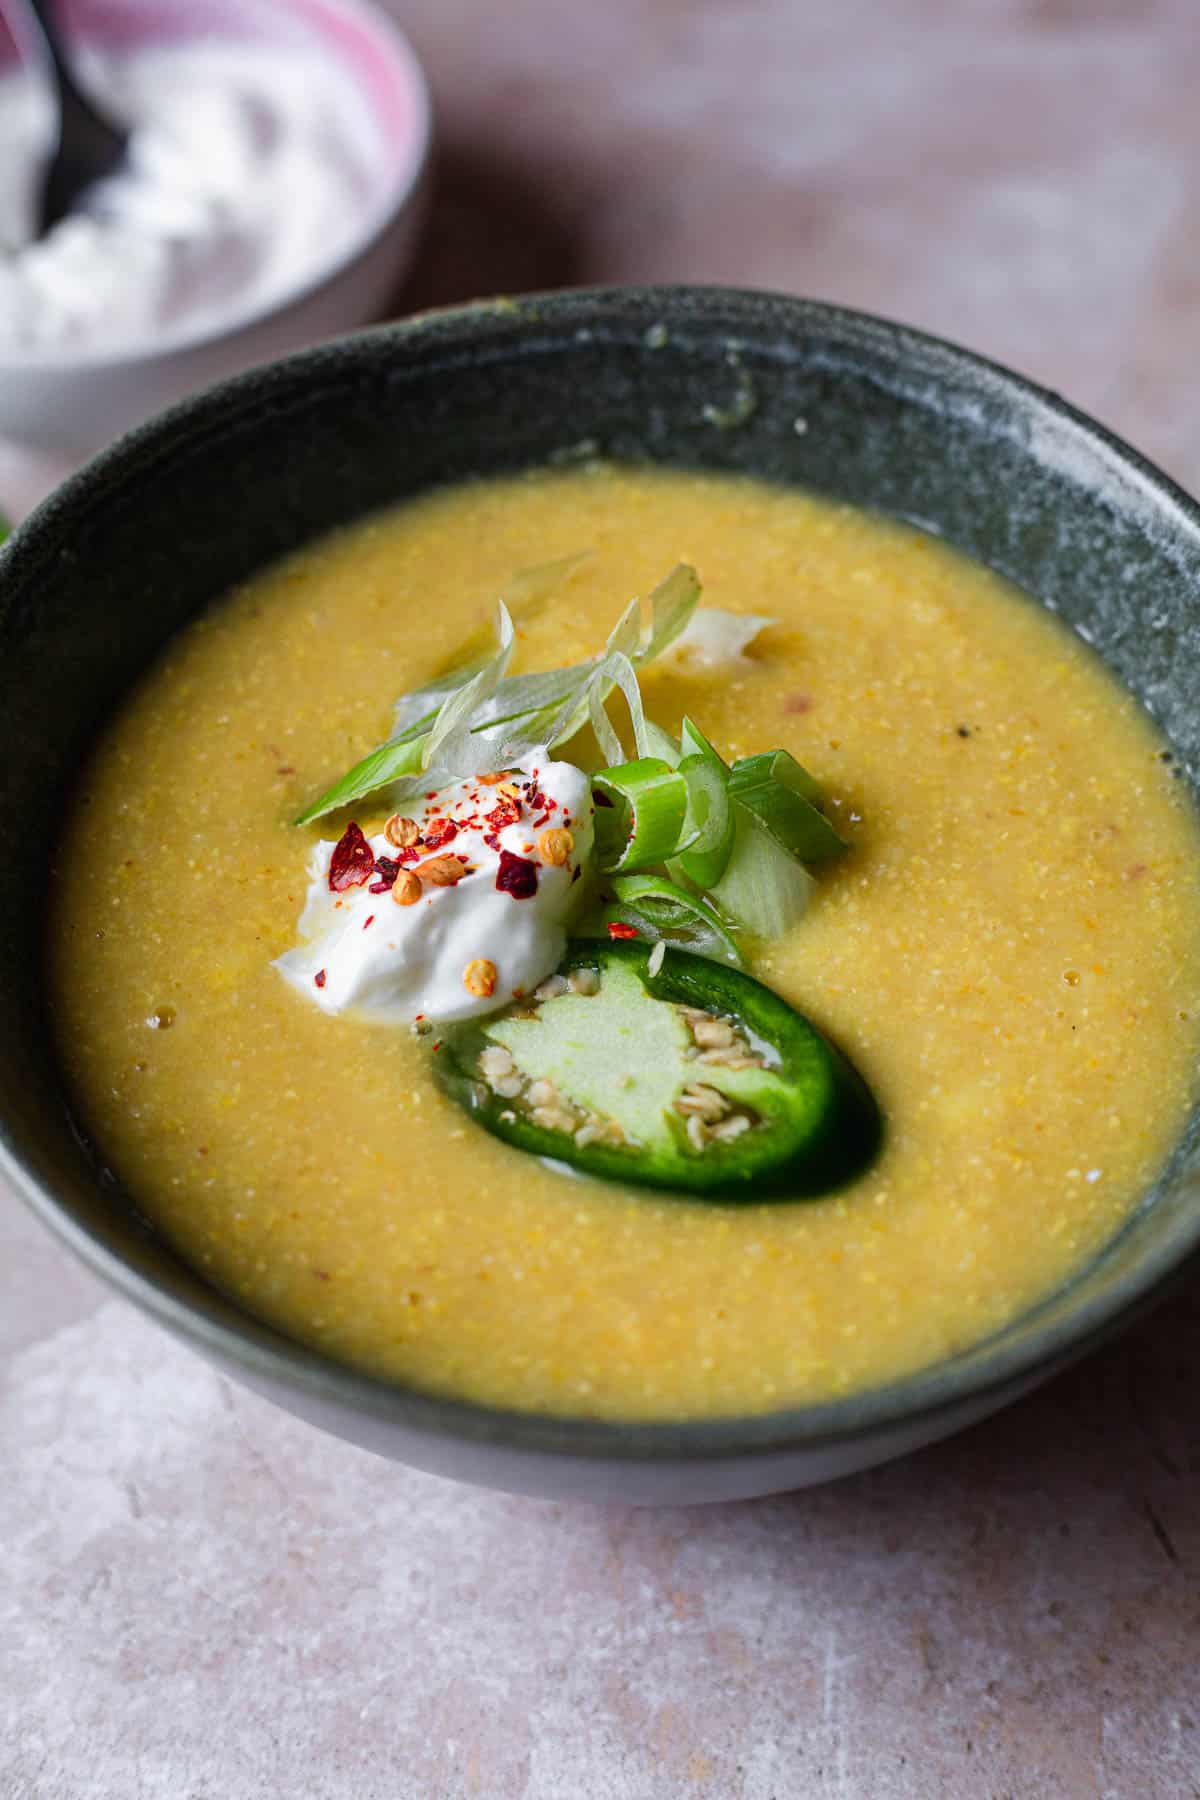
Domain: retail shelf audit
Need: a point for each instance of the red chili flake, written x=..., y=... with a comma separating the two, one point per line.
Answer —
x=386, y=871
x=369, y=920
x=798, y=703
x=517, y=876
x=617, y=930
x=319, y=978
x=538, y=823
x=535, y=798
x=352, y=862
x=505, y=812
x=491, y=840
x=439, y=832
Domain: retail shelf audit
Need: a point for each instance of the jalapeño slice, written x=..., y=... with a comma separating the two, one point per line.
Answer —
x=667, y=1070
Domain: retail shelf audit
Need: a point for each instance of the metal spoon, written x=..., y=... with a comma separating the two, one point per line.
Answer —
x=89, y=146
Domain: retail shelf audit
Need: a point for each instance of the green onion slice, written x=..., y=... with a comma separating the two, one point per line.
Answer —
x=709, y=821
x=640, y=815
x=763, y=888
x=392, y=761
x=672, y=604
x=478, y=716
x=661, y=912
x=660, y=743
x=781, y=795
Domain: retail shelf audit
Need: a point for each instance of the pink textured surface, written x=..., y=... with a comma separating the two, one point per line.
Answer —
x=203, y=1600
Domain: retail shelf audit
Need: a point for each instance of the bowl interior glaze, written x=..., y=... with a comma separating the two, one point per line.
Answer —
x=840, y=403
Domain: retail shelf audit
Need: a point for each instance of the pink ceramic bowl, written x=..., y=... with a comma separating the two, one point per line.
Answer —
x=73, y=400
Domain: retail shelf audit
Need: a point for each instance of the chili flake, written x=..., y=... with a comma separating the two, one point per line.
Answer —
x=517, y=876
x=617, y=930
x=319, y=978
x=352, y=862
x=439, y=832
x=386, y=871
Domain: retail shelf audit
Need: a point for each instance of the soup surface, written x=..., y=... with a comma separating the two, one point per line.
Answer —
x=1010, y=953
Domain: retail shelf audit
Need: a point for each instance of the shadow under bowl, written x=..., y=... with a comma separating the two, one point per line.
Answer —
x=795, y=392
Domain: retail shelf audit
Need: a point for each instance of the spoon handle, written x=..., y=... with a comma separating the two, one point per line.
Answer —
x=64, y=74
x=89, y=146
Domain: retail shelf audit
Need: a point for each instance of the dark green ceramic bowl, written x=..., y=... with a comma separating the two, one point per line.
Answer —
x=93, y=585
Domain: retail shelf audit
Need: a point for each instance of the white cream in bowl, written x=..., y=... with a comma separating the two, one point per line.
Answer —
x=251, y=168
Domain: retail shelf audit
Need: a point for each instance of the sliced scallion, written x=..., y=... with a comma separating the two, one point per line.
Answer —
x=661, y=743
x=764, y=888
x=782, y=797
x=476, y=714
x=642, y=823
x=615, y=671
x=448, y=742
x=716, y=639
x=391, y=762
x=672, y=604
x=709, y=821
x=662, y=913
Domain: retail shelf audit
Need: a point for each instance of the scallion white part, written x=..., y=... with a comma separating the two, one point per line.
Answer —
x=763, y=887
x=478, y=715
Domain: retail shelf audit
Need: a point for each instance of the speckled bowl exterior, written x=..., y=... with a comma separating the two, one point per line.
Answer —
x=844, y=404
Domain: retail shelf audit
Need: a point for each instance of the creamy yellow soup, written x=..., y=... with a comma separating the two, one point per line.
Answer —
x=1010, y=953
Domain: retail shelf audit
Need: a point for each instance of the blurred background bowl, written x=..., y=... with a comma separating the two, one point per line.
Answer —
x=71, y=401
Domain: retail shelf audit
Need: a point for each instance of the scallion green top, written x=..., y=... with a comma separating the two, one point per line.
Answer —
x=689, y=848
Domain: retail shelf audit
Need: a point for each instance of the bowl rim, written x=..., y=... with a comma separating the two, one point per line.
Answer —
x=405, y=72
x=979, y=1376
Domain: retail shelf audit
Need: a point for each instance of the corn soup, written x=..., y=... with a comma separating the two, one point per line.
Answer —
x=1010, y=953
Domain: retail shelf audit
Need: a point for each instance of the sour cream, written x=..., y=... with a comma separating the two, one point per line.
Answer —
x=360, y=951
x=250, y=169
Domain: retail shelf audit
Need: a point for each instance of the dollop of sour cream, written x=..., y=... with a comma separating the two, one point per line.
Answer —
x=249, y=170
x=363, y=952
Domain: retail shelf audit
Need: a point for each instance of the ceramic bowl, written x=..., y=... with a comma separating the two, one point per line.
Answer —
x=73, y=400
x=97, y=580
